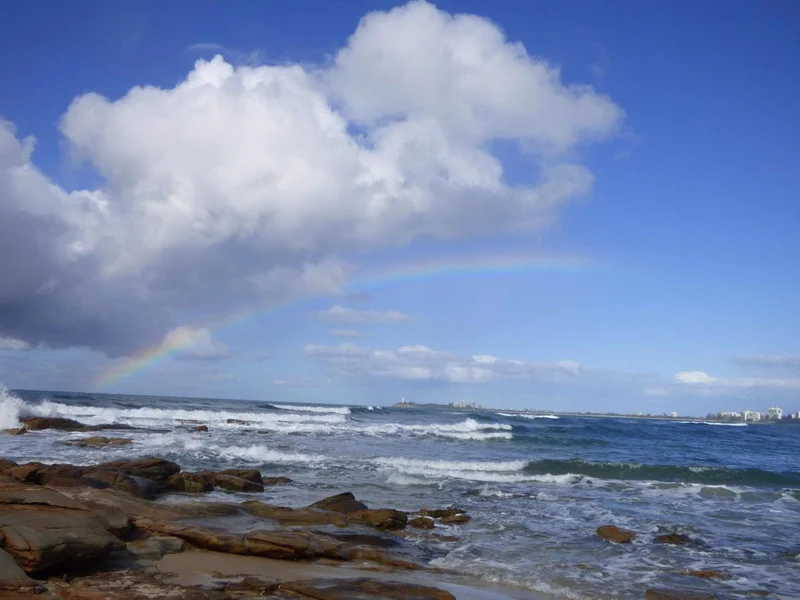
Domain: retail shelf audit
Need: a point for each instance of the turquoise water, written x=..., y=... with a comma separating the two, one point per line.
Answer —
x=537, y=488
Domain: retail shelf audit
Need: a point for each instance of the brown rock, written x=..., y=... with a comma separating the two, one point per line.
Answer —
x=613, y=533
x=673, y=538
x=363, y=589
x=455, y=520
x=38, y=539
x=380, y=518
x=707, y=574
x=126, y=585
x=194, y=483
x=154, y=469
x=341, y=503
x=98, y=442
x=267, y=481
x=438, y=513
x=294, y=517
x=39, y=423
x=665, y=594
x=253, y=584
x=236, y=422
x=200, y=429
x=12, y=577
x=35, y=496
x=6, y=465
x=156, y=547
x=67, y=482
x=15, y=431
x=421, y=523
x=253, y=475
x=138, y=487
x=235, y=484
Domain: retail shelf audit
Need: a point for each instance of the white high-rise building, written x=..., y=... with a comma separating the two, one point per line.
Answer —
x=775, y=413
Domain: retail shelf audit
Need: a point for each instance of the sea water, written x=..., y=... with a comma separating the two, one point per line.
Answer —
x=536, y=488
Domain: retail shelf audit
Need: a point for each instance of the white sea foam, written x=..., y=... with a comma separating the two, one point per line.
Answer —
x=263, y=454
x=156, y=416
x=506, y=472
x=11, y=408
x=524, y=416
x=469, y=429
x=712, y=423
x=339, y=410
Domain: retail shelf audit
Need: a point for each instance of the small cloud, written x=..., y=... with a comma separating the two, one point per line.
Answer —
x=236, y=56
x=359, y=297
x=349, y=334
x=694, y=377
x=300, y=382
x=656, y=392
x=7, y=343
x=341, y=314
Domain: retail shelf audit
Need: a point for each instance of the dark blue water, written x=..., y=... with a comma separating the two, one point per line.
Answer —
x=537, y=488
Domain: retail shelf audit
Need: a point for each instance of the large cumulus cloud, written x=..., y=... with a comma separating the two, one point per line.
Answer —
x=244, y=186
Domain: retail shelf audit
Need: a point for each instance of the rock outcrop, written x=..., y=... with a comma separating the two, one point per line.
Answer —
x=666, y=594
x=612, y=533
x=42, y=528
x=193, y=483
x=235, y=484
x=269, y=481
x=673, y=538
x=342, y=503
x=98, y=442
x=363, y=589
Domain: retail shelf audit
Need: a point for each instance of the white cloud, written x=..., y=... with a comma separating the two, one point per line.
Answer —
x=7, y=343
x=705, y=381
x=342, y=314
x=693, y=377
x=244, y=186
x=195, y=344
x=350, y=334
x=422, y=363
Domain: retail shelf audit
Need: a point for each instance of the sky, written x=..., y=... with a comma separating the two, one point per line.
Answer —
x=565, y=206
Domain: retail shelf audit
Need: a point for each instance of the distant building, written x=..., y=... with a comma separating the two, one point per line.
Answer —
x=775, y=413
x=751, y=415
x=673, y=414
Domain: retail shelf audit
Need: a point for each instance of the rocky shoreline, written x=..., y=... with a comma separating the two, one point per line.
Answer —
x=99, y=531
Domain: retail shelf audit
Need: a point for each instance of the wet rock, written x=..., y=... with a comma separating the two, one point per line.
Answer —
x=282, y=545
x=156, y=547
x=707, y=574
x=666, y=594
x=98, y=442
x=294, y=517
x=65, y=531
x=253, y=475
x=15, y=431
x=421, y=523
x=201, y=429
x=380, y=518
x=613, y=533
x=236, y=484
x=673, y=538
x=59, y=423
x=12, y=577
x=236, y=422
x=138, y=487
x=438, y=513
x=341, y=503
x=193, y=483
x=154, y=469
x=253, y=585
x=268, y=481
x=6, y=465
x=363, y=589
x=67, y=482
x=455, y=520
x=127, y=585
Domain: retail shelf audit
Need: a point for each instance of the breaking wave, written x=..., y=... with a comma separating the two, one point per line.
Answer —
x=264, y=455
x=469, y=429
x=668, y=473
x=338, y=410
x=529, y=416
x=504, y=472
x=11, y=408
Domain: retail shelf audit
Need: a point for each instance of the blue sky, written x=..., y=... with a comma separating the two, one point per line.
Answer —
x=652, y=146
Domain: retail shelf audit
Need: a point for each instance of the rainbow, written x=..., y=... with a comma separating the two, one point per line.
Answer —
x=460, y=266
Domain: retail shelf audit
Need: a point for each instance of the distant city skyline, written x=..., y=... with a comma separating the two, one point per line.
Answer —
x=576, y=206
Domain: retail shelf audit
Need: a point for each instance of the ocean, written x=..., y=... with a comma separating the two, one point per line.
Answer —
x=537, y=487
